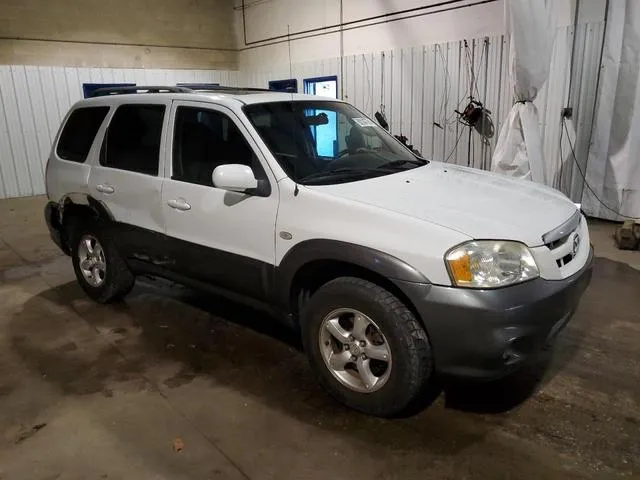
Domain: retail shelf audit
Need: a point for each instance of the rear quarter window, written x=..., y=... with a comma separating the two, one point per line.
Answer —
x=79, y=132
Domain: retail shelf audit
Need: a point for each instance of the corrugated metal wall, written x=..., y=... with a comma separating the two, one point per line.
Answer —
x=420, y=87
x=33, y=101
x=561, y=171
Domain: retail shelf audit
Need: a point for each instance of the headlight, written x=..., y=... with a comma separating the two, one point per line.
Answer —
x=490, y=264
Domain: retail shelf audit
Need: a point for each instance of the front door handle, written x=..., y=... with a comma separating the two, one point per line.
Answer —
x=179, y=204
x=105, y=188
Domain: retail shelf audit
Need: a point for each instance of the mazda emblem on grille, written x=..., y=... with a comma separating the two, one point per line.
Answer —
x=576, y=245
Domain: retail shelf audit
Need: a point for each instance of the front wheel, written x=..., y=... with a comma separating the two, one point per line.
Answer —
x=368, y=349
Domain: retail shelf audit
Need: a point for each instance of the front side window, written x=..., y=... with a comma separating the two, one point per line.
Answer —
x=133, y=139
x=205, y=139
x=79, y=132
x=325, y=142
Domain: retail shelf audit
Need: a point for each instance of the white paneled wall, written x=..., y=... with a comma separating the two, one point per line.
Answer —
x=563, y=173
x=420, y=88
x=34, y=100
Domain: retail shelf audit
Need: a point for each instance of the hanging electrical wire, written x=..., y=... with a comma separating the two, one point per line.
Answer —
x=469, y=64
x=558, y=184
x=444, y=97
x=370, y=91
x=584, y=178
x=382, y=84
x=485, y=47
x=382, y=79
x=380, y=115
x=475, y=115
x=445, y=120
x=455, y=146
x=473, y=78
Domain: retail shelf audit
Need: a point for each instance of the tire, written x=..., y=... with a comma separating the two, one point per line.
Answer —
x=117, y=280
x=406, y=385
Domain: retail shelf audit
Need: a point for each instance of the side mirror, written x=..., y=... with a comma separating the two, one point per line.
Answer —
x=239, y=178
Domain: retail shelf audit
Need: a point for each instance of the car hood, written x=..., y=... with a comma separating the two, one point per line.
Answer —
x=476, y=203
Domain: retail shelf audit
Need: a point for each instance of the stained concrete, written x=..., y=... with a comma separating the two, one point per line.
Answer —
x=102, y=392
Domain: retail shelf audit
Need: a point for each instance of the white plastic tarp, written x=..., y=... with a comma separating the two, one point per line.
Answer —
x=613, y=165
x=530, y=27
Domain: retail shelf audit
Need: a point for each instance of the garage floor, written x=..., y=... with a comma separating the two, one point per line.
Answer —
x=107, y=392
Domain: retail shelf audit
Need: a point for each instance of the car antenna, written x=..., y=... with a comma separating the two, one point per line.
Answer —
x=296, y=190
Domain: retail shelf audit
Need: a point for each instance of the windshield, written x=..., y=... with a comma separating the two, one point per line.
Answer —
x=325, y=142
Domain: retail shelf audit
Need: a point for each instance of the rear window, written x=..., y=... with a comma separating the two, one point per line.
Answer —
x=79, y=131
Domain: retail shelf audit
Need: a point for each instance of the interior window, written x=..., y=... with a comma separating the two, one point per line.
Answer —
x=79, y=132
x=205, y=139
x=133, y=139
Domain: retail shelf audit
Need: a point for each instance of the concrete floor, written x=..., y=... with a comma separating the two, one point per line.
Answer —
x=103, y=392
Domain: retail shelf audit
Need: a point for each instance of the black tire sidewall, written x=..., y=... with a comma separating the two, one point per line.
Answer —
x=411, y=363
x=112, y=287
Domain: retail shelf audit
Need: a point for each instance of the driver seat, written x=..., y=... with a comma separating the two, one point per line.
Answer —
x=354, y=140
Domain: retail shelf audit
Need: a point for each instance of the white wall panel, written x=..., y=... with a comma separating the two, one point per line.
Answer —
x=426, y=145
x=554, y=96
x=589, y=38
x=417, y=92
x=418, y=87
x=34, y=100
x=17, y=178
x=421, y=87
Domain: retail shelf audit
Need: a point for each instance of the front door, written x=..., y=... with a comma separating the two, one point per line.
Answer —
x=224, y=238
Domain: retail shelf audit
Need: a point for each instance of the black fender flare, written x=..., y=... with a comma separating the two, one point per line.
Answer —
x=378, y=262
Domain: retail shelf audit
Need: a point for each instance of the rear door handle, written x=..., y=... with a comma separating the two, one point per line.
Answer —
x=105, y=188
x=179, y=204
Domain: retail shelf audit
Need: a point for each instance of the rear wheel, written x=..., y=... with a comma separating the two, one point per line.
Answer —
x=101, y=271
x=368, y=349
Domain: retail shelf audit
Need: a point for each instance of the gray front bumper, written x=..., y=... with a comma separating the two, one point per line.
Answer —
x=486, y=334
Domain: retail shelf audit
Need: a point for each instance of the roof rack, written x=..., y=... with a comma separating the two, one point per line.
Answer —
x=101, y=92
x=222, y=88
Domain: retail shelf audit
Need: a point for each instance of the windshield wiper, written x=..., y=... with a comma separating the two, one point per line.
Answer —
x=348, y=171
x=398, y=163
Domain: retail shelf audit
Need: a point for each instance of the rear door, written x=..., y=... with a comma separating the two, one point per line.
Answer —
x=127, y=176
x=223, y=238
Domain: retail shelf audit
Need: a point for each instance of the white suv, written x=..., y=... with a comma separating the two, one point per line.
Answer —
x=396, y=270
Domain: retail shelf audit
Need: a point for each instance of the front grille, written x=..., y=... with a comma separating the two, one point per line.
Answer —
x=561, y=241
x=564, y=260
x=556, y=243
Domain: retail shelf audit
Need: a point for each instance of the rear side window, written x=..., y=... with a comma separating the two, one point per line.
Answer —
x=79, y=131
x=132, y=141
